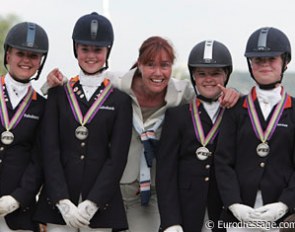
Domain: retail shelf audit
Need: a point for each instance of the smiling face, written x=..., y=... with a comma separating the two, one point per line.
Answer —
x=207, y=80
x=267, y=70
x=156, y=73
x=91, y=58
x=22, y=64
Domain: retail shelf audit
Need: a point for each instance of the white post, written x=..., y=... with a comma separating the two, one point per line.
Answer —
x=105, y=7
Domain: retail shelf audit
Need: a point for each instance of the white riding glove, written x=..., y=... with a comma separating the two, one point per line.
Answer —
x=272, y=212
x=243, y=213
x=8, y=204
x=87, y=209
x=70, y=214
x=175, y=228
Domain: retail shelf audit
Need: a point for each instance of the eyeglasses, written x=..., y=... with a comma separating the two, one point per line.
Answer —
x=162, y=65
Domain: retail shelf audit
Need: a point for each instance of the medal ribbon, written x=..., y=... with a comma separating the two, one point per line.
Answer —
x=94, y=107
x=204, y=140
x=10, y=124
x=256, y=125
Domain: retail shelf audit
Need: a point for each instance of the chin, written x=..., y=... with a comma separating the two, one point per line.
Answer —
x=209, y=94
x=158, y=90
x=24, y=77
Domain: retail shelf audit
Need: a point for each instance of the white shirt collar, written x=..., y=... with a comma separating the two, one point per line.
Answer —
x=212, y=109
x=16, y=90
x=268, y=99
x=272, y=96
x=91, y=80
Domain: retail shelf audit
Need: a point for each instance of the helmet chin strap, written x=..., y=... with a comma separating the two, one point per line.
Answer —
x=271, y=85
x=32, y=78
x=20, y=80
x=205, y=99
x=268, y=86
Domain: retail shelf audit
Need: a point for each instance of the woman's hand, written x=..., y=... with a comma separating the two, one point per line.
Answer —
x=228, y=97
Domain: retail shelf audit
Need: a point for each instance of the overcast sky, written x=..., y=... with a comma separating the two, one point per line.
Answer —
x=183, y=22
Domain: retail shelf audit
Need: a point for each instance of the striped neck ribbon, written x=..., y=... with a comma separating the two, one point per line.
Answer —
x=11, y=124
x=94, y=107
x=256, y=125
x=204, y=140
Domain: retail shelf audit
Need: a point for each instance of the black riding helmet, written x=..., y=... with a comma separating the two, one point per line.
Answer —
x=29, y=37
x=93, y=29
x=210, y=53
x=268, y=42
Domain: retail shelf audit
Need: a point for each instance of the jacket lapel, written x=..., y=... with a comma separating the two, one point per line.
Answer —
x=6, y=98
x=79, y=93
x=264, y=122
x=96, y=94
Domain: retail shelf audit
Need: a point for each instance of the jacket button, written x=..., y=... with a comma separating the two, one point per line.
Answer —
x=262, y=164
x=82, y=157
x=207, y=166
x=207, y=179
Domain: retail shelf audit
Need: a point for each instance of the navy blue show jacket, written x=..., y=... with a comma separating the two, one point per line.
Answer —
x=20, y=163
x=241, y=172
x=85, y=169
x=186, y=186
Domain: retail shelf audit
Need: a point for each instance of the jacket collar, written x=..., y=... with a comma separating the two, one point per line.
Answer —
x=80, y=95
x=6, y=95
x=254, y=97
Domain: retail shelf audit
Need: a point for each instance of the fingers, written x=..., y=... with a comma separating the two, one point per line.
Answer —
x=78, y=222
x=261, y=209
x=221, y=87
x=81, y=221
x=228, y=97
x=254, y=215
x=55, y=78
x=3, y=210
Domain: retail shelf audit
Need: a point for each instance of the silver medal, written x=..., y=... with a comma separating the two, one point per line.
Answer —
x=81, y=132
x=262, y=149
x=7, y=137
x=203, y=153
